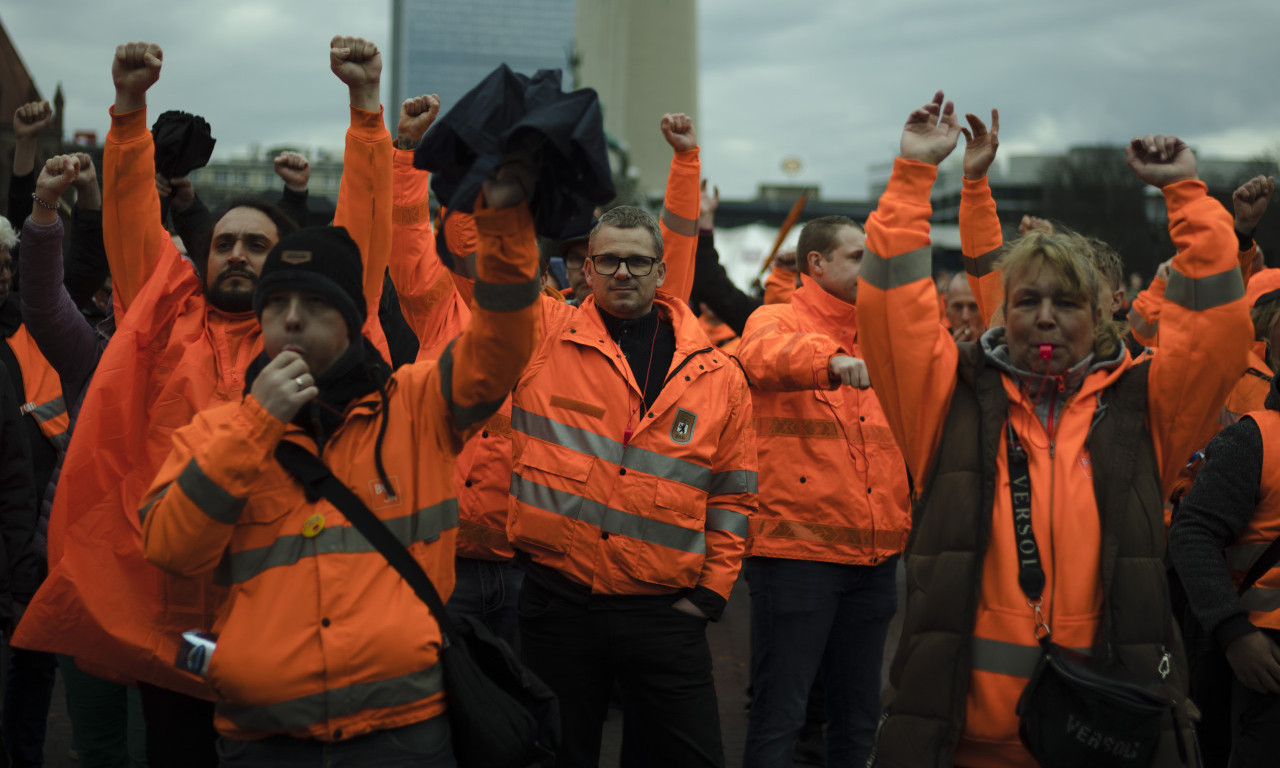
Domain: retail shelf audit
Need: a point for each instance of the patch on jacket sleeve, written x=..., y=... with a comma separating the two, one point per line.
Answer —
x=682, y=429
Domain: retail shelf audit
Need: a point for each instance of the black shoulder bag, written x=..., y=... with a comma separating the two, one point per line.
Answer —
x=500, y=714
x=1073, y=711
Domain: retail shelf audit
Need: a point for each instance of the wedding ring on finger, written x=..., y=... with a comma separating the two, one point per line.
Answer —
x=301, y=385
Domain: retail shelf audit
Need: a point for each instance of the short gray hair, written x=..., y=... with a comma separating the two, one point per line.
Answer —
x=630, y=217
x=8, y=237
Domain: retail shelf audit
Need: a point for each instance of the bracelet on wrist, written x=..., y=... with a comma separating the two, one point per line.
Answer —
x=51, y=206
x=408, y=144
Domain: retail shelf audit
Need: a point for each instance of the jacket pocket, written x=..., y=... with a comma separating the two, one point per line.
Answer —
x=672, y=544
x=550, y=489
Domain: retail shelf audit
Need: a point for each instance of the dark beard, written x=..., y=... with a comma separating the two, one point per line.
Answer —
x=230, y=301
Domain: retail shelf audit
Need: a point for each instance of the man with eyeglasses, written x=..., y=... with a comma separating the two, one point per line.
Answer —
x=634, y=478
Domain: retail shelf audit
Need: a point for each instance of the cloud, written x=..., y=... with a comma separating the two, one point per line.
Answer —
x=828, y=81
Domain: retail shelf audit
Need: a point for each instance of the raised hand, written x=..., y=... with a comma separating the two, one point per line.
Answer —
x=135, y=68
x=294, y=169
x=358, y=63
x=1034, y=224
x=1161, y=160
x=513, y=182
x=1250, y=202
x=931, y=132
x=980, y=145
x=30, y=119
x=88, y=195
x=677, y=129
x=56, y=176
x=416, y=116
x=710, y=202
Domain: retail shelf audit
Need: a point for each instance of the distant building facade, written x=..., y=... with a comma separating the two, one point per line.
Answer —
x=642, y=57
x=447, y=47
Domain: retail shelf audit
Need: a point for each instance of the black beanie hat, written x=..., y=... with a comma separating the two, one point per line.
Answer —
x=320, y=260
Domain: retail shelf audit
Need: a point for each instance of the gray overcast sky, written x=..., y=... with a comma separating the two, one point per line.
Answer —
x=828, y=81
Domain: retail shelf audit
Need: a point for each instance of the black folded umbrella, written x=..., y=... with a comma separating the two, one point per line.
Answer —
x=509, y=111
x=183, y=143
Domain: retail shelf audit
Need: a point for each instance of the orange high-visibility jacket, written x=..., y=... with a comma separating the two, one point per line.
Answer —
x=1204, y=340
x=1262, y=600
x=667, y=509
x=172, y=356
x=43, y=389
x=321, y=637
x=833, y=485
x=482, y=477
x=981, y=241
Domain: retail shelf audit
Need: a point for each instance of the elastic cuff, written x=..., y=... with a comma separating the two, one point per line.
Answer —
x=911, y=180
x=130, y=125
x=708, y=601
x=263, y=426
x=1181, y=193
x=369, y=125
x=975, y=187
x=1233, y=627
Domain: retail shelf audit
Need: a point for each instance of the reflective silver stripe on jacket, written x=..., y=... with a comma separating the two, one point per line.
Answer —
x=897, y=271
x=1261, y=599
x=729, y=521
x=984, y=264
x=211, y=498
x=339, y=702
x=424, y=525
x=614, y=521
x=1199, y=294
x=590, y=444
x=1007, y=658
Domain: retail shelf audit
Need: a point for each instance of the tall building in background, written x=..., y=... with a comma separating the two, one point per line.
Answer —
x=448, y=46
x=642, y=57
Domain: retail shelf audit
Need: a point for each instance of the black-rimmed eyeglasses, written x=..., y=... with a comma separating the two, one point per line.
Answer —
x=637, y=266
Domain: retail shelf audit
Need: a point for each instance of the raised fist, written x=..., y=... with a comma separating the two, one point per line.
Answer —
x=31, y=118
x=931, y=132
x=58, y=173
x=677, y=129
x=88, y=195
x=294, y=169
x=416, y=116
x=1250, y=202
x=355, y=61
x=1161, y=160
x=136, y=67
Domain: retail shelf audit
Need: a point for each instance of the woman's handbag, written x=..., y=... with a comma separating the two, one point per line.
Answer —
x=500, y=714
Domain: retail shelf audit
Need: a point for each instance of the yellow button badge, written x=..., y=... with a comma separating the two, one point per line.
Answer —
x=313, y=526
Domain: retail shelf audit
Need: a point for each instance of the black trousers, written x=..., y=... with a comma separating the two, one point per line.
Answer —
x=1255, y=727
x=180, y=732
x=658, y=655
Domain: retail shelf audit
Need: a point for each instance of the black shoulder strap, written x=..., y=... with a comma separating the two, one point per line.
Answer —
x=319, y=482
x=1265, y=562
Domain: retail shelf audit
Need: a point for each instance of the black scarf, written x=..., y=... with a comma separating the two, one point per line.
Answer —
x=357, y=372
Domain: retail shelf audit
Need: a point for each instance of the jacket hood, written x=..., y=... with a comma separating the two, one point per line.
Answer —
x=995, y=348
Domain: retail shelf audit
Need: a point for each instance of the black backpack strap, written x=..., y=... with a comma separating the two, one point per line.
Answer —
x=319, y=482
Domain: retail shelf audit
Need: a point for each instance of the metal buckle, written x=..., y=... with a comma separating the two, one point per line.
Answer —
x=1041, y=624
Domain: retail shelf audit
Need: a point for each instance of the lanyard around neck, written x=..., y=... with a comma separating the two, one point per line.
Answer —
x=1030, y=571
